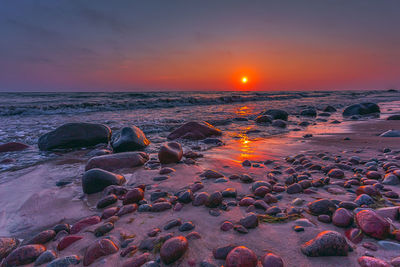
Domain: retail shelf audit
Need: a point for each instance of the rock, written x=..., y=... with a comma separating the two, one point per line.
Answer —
x=75, y=135
x=161, y=206
x=226, y=226
x=67, y=241
x=103, y=229
x=95, y=180
x=185, y=196
x=364, y=199
x=129, y=139
x=200, y=199
x=388, y=212
x=43, y=237
x=329, y=109
x=99, y=248
x=222, y=252
x=355, y=235
x=294, y=188
x=12, y=146
x=366, y=261
x=277, y=114
x=118, y=161
x=109, y=212
x=170, y=152
x=138, y=260
x=369, y=190
x=342, y=218
x=133, y=196
x=173, y=249
x=395, y=262
x=78, y=226
x=107, y=201
x=195, y=131
x=321, y=206
x=45, y=257
x=336, y=173
x=214, y=200
x=166, y=170
x=309, y=112
x=172, y=223
x=65, y=261
x=7, y=244
x=372, y=224
x=271, y=260
x=390, y=133
x=241, y=257
x=395, y=117
x=324, y=218
x=279, y=123
x=187, y=226
x=211, y=174
x=326, y=243
x=250, y=221
x=361, y=109
x=264, y=119
x=23, y=255
x=391, y=179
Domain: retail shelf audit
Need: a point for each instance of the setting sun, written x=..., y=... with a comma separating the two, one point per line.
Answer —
x=244, y=80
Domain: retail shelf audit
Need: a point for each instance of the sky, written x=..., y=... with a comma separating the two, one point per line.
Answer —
x=154, y=45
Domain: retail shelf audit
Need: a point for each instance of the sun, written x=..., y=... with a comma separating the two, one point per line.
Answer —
x=244, y=79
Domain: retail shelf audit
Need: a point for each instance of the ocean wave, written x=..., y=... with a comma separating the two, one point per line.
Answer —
x=90, y=102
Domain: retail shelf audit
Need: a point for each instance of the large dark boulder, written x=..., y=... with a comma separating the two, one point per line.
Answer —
x=95, y=180
x=277, y=114
x=75, y=135
x=130, y=139
x=327, y=243
x=195, y=131
x=361, y=109
x=309, y=112
x=118, y=161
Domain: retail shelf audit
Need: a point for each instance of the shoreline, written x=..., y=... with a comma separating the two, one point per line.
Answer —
x=35, y=203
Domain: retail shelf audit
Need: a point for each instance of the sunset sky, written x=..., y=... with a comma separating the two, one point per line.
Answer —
x=96, y=45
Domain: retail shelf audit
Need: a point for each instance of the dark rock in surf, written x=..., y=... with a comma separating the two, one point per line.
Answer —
x=130, y=139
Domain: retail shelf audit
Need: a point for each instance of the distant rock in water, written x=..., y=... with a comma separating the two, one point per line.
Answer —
x=309, y=112
x=130, y=139
x=95, y=180
x=12, y=146
x=361, y=109
x=394, y=117
x=277, y=114
x=329, y=109
x=194, y=131
x=75, y=135
x=118, y=161
x=390, y=133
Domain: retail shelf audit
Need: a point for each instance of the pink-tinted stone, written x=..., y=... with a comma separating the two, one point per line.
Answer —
x=43, y=237
x=78, y=226
x=372, y=224
x=342, y=217
x=133, y=196
x=99, y=248
x=126, y=209
x=355, y=235
x=137, y=260
x=366, y=261
x=67, y=241
x=170, y=152
x=195, y=131
x=173, y=249
x=241, y=257
x=118, y=161
x=23, y=255
x=271, y=260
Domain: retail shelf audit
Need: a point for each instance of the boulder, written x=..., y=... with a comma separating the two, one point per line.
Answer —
x=194, y=131
x=75, y=135
x=95, y=180
x=173, y=249
x=372, y=224
x=118, y=161
x=326, y=243
x=271, y=260
x=99, y=248
x=7, y=244
x=342, y=217
x=264, y=119
x=129, y=139
x=241, y=257
x=23, y=255
x=170, y=152
x=361, y=109
x=12, y=146
x=277, y=114
x=309, y=112
x=321, y=206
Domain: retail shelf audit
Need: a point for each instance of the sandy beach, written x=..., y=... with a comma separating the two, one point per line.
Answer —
x=291, y=169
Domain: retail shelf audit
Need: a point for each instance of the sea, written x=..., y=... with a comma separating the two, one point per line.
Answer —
x=24, y=117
